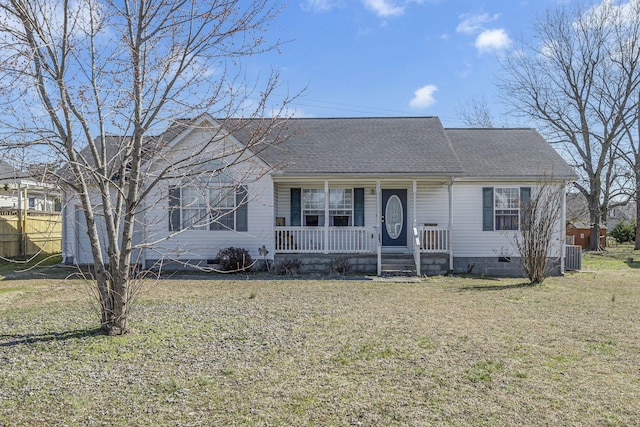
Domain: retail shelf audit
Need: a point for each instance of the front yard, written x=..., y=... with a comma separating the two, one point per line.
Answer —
x=444, y=351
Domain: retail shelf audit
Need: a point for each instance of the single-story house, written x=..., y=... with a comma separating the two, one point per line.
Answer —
x=386, y=193
x=21, y=190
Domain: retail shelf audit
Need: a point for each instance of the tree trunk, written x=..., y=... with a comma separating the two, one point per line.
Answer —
x=594, y=211
x=637, y=245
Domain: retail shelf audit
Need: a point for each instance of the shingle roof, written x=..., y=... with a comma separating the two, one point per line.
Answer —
x=364, y=146
x=507, y=153
x=405, y=146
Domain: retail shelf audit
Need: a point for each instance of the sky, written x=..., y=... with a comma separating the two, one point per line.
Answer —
x=363, y=58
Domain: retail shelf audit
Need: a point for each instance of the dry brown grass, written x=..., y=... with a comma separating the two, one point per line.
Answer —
x=447, y=351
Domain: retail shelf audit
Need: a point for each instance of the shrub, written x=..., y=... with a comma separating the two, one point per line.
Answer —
x=289, y=266
x=234, y=259
x=624, y=231
x=340, y=265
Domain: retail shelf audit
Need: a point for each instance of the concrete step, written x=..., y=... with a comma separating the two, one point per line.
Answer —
x=398, y=265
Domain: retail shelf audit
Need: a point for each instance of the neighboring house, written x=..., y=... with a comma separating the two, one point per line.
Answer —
x=29, y=214
x=388, y=193
x=626, y=213
x=19, y=190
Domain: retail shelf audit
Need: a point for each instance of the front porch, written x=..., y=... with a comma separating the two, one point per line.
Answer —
x=319, y=246
x=365, y=220
x=354, y=240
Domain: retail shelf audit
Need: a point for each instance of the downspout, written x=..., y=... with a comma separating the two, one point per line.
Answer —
x=450, y=240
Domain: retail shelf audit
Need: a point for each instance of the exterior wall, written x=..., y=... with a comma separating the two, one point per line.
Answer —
x=321, y=263
x=203, y=244
x=434, y=264
x=498, y=266
x=468, y=240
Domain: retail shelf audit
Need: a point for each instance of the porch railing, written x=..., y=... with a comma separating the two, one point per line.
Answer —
x=433, y=239
x=312, y=240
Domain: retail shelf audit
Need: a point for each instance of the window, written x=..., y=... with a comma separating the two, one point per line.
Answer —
x=222, y=203
x=194, y=208
x=212, y=206
x=313, y=207
x=340, y=207
x=501, y=207
x=507, y=208
x=346, y=207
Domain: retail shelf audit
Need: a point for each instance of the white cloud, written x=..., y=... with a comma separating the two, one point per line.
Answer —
x=473, y=23
x=495, y=39
x=384, y=8
x=423, y=97
x=319, y=5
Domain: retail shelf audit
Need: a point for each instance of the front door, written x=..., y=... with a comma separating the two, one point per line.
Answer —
x=394, y=217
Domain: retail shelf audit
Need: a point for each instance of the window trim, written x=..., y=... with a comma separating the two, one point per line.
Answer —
x=239, y=195
x=490, y=210
x=319, y=211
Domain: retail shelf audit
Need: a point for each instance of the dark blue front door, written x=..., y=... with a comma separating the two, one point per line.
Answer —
x=394, y=217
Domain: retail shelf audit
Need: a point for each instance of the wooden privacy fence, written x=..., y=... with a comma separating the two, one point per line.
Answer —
x=24, y=233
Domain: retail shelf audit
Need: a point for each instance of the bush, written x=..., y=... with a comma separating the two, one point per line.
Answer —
x=340, y=265
x=290, y=267
x=234, y=259
x=624, y=232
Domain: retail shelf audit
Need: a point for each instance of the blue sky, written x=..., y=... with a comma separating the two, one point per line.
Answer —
x=397, y=57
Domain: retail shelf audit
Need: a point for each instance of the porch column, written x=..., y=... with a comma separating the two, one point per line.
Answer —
x=415, y=198
x=378, y=227
x=326, y=217
x=416, y=246
x=450, y=188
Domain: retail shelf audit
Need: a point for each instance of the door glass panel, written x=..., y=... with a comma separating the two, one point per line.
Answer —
x=393, y=217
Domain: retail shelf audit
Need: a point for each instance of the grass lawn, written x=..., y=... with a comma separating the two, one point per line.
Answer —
x=445, y=351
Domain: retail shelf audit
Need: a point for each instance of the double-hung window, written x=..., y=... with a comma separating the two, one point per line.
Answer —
x=346, y=207
x=212, y=206
x=502, y=207
x=194, y=208
x=340, y=207
x=222, y=203
x=313, y=207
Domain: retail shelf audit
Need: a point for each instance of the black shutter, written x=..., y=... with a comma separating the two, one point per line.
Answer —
x=242, y=209
x=525, y=199
x=487, y=209
x=358, y=207
x=174, y=208
x=296, y=207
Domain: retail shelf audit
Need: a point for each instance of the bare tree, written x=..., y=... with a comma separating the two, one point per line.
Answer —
x=578, y=77
x=475, y=113
x=541, y=216
x=93, y=81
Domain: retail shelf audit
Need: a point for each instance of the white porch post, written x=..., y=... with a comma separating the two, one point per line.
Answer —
x=326, y=217
x=451, y=226
x=379, y=226
x=416, y=248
